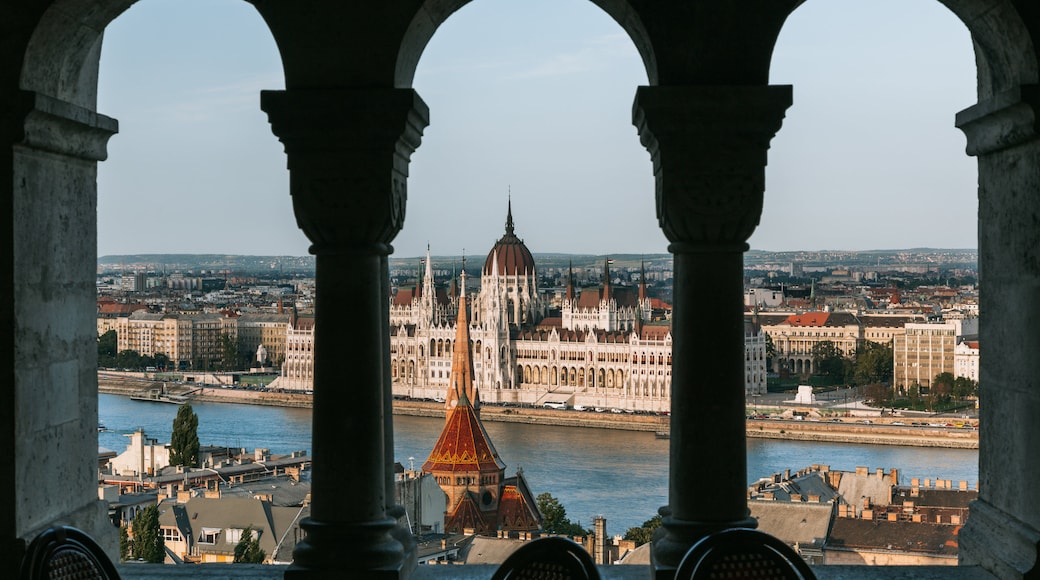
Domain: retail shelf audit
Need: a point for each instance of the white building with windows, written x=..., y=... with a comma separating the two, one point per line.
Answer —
x=602, y=351
x=966, y=359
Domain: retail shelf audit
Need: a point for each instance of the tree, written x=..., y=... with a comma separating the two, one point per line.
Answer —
x=942, y=388
x=184, y=442
x=554, y=517
x=963, y=387
x=228, y=352
x=125, y=545
x=247, y=550
x=873, y=363
x=147, y=543
x=644, y=533
x=770, y=352
x=878, y=394
x=827, y=360
x=106, y=349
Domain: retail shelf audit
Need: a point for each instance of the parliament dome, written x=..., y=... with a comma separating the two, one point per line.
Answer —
x=514, y=259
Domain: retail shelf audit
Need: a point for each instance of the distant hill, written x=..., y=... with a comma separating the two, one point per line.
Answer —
x=304, y=265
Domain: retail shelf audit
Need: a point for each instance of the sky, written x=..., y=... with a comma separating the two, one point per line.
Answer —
x=532, y=100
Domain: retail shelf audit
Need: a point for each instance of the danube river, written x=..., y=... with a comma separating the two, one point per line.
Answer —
x=621, y=475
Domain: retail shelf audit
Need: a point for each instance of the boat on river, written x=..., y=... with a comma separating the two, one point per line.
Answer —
x=161, y=396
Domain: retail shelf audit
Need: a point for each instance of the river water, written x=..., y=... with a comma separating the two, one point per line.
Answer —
x=621, y=475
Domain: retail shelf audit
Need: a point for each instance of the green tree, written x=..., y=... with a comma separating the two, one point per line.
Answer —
x=827, y=360
x=554, y=517
x=770, y=352
x=106, y=349
x=128, y=359
x=247, y=550
x=942, y=388
x=963, y=387
x=184, y=442
x=873, y=363
x=148, y=542
x=125, y=545
x=228, y=352
x=644, y=533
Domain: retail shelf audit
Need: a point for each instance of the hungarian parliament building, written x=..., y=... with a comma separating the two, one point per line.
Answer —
x=602, y=347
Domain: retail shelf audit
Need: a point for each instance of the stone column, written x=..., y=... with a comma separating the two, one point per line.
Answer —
x=1003, y=532
x=348, y=156
x=708, y=146
x=50, y=332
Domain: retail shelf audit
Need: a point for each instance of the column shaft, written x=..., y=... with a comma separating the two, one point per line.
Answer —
x=707, y=420
x=348, y=159
x=708, y=146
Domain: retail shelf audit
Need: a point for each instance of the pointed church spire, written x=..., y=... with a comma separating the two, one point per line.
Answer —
x=460, y=382
x=642, y=283
x=570, y=281
x=428, y=278
x=509, y=215
x=453, y=290
x=606, y=279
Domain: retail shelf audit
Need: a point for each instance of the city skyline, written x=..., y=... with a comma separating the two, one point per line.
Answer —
x=535, y=100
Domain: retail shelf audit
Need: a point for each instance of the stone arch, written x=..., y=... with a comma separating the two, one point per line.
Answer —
x=433, y=13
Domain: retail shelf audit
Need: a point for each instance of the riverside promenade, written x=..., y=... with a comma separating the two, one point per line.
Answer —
x=880, y=431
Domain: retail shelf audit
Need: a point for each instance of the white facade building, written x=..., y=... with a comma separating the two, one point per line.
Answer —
x=600, y=352
x=966, y=359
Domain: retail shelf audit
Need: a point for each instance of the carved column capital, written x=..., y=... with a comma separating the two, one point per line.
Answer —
x=708, y=146
x=1002, y=121
x=348, y=153
x=60, y=127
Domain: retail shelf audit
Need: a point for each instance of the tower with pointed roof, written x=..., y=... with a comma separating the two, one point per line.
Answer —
x=466, y=464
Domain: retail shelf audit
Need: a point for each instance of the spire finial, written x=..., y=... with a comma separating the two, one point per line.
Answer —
x=509, y=214
x=463, y=290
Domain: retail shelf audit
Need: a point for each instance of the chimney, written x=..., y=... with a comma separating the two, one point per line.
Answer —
x=963, y=485
x=861, y=471
x=444, y=543
x=601, y=555
x=895, y=475
x=787, y=474
x=813, y=498
x=880, y=474
x=796, y=497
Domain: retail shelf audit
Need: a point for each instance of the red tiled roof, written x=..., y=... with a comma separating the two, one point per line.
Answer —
x=305, y=323
x=808, y=319
x=464, y=445
x=589, y=298
x=654, y=332
x=109, y=309
x=405, y=296
x=658, y=304
x=467, y=515
x=517, y=509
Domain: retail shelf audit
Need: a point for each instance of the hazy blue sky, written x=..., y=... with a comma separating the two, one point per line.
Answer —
x=535, y=97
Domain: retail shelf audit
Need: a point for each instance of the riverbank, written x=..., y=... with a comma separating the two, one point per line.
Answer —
x=880, y=432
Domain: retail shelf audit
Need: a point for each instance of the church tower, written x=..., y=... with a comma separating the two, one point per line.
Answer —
x=466, y=464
